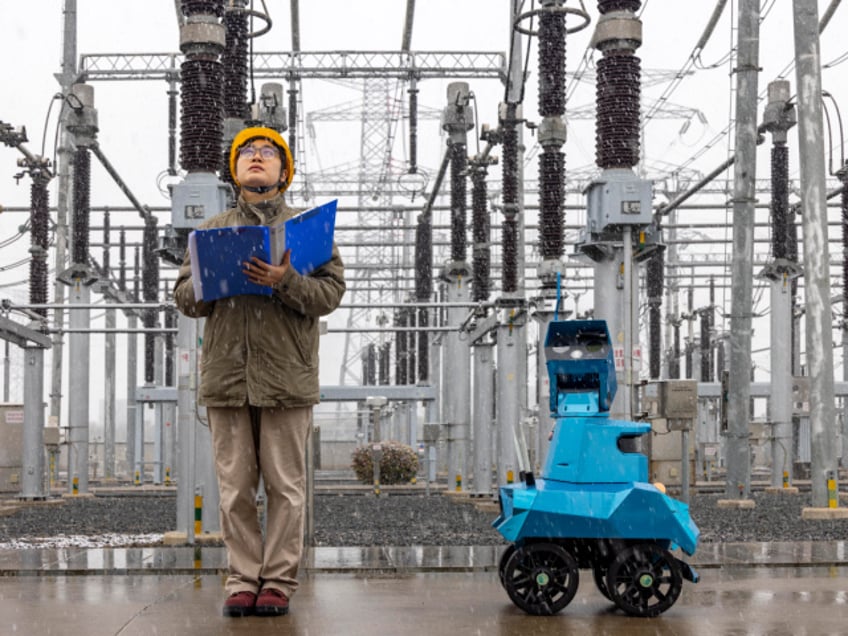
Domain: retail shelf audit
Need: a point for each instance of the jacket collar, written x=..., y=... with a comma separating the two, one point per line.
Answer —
x=264, y=211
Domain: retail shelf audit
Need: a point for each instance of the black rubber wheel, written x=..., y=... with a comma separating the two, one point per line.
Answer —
x=504, y=558
x=644, y=580
x=599, y=573
x=541, y=578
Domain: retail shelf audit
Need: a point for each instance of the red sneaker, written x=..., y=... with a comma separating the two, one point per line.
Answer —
x=271, y=602
x=240, y=604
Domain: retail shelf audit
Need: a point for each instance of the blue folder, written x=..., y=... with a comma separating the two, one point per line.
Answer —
x=218, y=254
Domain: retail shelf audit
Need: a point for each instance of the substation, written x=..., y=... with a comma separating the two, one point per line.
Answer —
x=463, y=231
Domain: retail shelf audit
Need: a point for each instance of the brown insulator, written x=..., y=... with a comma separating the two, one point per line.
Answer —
x=400, y=319
x=509, y=195
x=706, y=346
x=551, y=64
x=655, y=281
x=551, y=198
x=423, y=355
x=39, y=223
x=780, y=200
x=385, y=362
x=509, y=247
x=202, y=115
x=150, y=292
x=606, y=6
x=481, y=233
x=424, y=259
x=458, y=164
x=674, y=362
x=410, y=346
x=369, y=364
x=617, y=127
x=82, y=207
x=203, y=7
x=234, y=63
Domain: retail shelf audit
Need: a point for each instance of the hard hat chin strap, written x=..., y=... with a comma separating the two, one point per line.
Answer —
x=261, y=189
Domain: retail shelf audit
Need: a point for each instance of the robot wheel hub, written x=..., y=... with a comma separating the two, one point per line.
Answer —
x=542, y=578
x=646, y=580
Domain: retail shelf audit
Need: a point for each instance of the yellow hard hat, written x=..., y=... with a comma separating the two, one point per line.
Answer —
x=260, y=132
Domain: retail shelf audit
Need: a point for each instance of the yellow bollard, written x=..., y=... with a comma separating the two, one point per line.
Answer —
x=786, y=479
x=510, y=477
x=198, y=514
x=832, y=501
x=137, y=479
x=75, y=486
x=167, y=475
x=459, y=483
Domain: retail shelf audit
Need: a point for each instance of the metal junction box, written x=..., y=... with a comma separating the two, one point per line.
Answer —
x=673, y=401
x=678, y=399
x=11, y=446
x=199, y=197
x=618, y=198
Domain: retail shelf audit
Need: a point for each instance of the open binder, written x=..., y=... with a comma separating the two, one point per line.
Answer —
x=218, y=254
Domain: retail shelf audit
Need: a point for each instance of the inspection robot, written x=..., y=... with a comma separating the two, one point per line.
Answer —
x=592, y=507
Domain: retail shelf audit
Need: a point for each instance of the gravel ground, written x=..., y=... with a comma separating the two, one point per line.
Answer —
x=359, y=520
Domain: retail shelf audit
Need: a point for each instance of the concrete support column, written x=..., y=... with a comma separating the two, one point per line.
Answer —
x=511, y=394
x=132, y=381
x=78, y=388
x=187, y=379
x=457, y=369
x=159, y=425
x=780, y=402
x=483, y=420
x=109, y=388
x=543, y=389
x=738, y=485
x=33, y=476
x=819, y=336
x=611, y=304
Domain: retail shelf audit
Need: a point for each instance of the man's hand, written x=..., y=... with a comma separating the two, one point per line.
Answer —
x=261, y=273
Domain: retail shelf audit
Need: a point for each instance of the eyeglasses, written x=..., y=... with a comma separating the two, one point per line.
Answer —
x=266, y=152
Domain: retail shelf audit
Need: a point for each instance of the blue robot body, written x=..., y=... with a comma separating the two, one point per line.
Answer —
x=586, y=450
x=592, y=506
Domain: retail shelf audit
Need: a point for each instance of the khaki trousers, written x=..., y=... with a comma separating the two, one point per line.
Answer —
x=250, y=442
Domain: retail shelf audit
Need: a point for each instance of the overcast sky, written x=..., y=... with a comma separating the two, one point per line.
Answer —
x=133, y=115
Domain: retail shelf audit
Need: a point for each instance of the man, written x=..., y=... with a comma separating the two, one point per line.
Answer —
x=259, y=382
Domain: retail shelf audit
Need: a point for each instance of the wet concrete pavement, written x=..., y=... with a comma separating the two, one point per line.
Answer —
x=772, y=589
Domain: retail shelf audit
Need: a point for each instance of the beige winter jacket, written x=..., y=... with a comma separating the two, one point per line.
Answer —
x=262, y=350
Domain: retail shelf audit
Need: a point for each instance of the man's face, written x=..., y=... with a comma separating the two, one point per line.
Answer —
x=259, y=164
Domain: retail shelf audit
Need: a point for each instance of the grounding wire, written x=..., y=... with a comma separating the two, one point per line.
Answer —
x=687, y=66
x=47, y=120
x=825, y=96
x=11, y=240
x=723, y=133
x=837, y=61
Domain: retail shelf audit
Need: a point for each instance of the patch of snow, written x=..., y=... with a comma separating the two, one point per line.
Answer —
x=82, y=541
